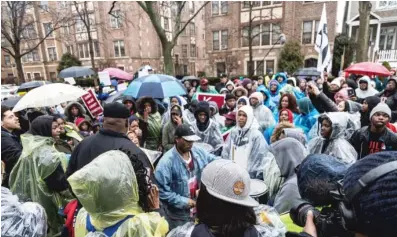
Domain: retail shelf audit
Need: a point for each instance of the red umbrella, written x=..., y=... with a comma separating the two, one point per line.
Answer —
x=368, y=68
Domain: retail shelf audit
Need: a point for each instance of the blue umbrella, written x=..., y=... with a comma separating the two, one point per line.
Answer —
x=75, y=71
x=32, y=84
x=156, y=86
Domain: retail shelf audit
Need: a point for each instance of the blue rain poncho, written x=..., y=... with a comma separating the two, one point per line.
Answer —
x=107, y=188
x=337, y=144
x=275, y=96
x=247, y=146
x=267, y=102
x=281, y=74
x=308, y=116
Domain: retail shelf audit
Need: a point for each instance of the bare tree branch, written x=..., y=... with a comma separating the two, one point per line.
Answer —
x=111, y=9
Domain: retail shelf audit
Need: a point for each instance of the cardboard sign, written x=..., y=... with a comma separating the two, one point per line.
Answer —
x=104, y=78
x=92, y=103
x=218, y=99
x=70, y=80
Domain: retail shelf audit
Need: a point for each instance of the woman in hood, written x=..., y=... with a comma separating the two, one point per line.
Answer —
x=129, y=103
x=168, y=140
x=239, y=91
x=205, y=127
x=84, y=127
x=274, y=88
x=308, y=115
x=365, y=88
x=332, y=140
x=247, y=84
x=117, y=199
x=230, y=86
x=368, y=104
x=284, y=115
x=280, y=176
x=266, y=98
x=150, y=119
x=175, y=100
x=242, y=101
x=39, y=173
x=75, y=110
x=245, y=144
x=262, y=113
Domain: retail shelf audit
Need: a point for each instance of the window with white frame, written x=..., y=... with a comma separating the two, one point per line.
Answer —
x=184, y=50
x=7, y=60
x=386, y=4
x=37, y=76
x=84, y=50
x=29, y=76
x=264, y=34
x=220, y=40
x=309, y=31
x=52, y=54
x=48, y=30
x=219, y=8
x=119, y=50
x=31, y=56
x=260, y=66
x=66, y=30
x=193, y=50
x=246, y=4
x=192, y=29
x=116, y=19
x=255, y=36
x=69, y=49
x=97, y=51
x=29, y=32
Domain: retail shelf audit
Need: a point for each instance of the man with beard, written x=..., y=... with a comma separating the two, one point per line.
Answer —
x=179, y=168
x=376, y=137
x=11, y=147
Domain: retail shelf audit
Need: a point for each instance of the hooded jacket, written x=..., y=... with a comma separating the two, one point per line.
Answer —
x=189, y=113
x=267, y=102
x=285, y=78
x=167, y=115
x=82, y=112
x=286, y=155
x=220, y=120
x=391, y=100
x=208, y=131
x=153, y=124
x=11, y=150
x=112, y=173
x=275, y=96
x=242, y=89
x=336, y=145
x=169, y=131
x=230, y=83
x=248, y=135
x=370, y=91
x=308, y=116
x=130, y=98
x=262, y=114
x=372, y=101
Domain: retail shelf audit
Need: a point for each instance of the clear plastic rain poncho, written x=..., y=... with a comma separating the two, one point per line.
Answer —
x=212, y=135
x=337, y=144
x=268, y=223
x=108, y=190
x=39, y=160
x=21, y=219
x=247, y=146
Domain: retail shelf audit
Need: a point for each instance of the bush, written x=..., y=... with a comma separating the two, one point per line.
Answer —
x=291, y=58
x=386, y=65
x=68, y=60
x=342, y=41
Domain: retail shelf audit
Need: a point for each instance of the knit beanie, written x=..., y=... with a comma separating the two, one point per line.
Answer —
x=381, y=107
x=245, y=82
x=376, y=203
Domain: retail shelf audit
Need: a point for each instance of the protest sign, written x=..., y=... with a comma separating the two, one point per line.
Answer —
x=92, y=103
x=218, y=99
x=70, y=80
x=104, y=78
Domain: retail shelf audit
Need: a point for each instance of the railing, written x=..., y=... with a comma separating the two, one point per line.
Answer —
x=387, y=55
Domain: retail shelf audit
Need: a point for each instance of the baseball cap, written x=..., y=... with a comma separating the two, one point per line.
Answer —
x=186, y=132
x=229, y=182
x=231, y=116
x=204, y=82
x=115, y=110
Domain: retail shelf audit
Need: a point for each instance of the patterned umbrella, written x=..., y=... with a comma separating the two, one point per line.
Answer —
x=308, y=72
x=156, y=86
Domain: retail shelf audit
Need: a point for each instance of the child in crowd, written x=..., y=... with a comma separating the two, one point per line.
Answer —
x=84, y=126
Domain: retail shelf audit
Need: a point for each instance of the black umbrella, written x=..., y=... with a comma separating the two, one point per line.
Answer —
x=310, y=71
x=32, y=84
x=75, y=71
x=190, y=78
x=10, y=102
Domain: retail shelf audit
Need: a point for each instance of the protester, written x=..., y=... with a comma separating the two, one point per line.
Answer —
x=279, y=130
x=365, y=88
x=284, y=116
x=266, y=98
x=75, y=110
x=117, y=198
x=84, y=127
x=205, y=127
x=222, y=83
x=229, y=105
x=332, y=140
x=110, y=137
x=268, y=77
x=133, y=122
x=205, y=88
x=230, y=122
x=178, y=174
x=247, y=84
x=308, y=115
x=242, y=101
x=39, y=173
x=150, y=120
x=214, y=114
x=281, y=78
x=287, y=101
x=11, y=147
x=389, y=96
x=175, y=100
x=239, y=92
x=129, y=103
x=168, y=140
x=68, y=132
x=296, y=133
x=376, y=137
x=368, y=105
x=246, y=145
x=262, y=114
x=230, y=86
x=274, y=88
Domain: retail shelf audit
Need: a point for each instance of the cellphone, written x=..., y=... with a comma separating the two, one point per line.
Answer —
x=351, y=92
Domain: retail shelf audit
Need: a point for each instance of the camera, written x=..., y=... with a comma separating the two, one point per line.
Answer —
x=328, y=221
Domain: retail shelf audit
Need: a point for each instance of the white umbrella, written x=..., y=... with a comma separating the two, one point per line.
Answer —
x=49, y=95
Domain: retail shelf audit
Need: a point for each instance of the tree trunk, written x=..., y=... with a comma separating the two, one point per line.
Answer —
x=363, y=31
x=168, y=64
x=20, y=76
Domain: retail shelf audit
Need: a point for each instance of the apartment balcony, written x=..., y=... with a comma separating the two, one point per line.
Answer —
x=389, y=56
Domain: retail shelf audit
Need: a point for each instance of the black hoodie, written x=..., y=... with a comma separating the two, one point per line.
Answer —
x=202, y=106
x=372, y=101
x=42, y=126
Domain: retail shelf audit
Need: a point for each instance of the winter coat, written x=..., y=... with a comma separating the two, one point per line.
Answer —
x=360, y=140
x=262, y=113
x=372, y=101
x=370, y=91
x=252, y=141
x=287, y=195
x=336, y=145
x=230, y=83
x=153, y=138
x=391, y=100
x=168, y=140
x=11, y=150
x=275, y=96
x=167, y=115
x=211, y=90
x=82, y=112
x=103, y=141
x=242, y=89
x=107, y=188
x=130, y=98
x=172, y=178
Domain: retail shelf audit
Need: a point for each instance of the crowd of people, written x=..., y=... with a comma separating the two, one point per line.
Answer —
x=178, y=166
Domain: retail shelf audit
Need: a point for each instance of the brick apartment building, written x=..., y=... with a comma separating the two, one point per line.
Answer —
x=127, y=42
x=227, y=25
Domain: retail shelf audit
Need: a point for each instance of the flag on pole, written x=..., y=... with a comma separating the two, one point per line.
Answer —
x=322, y=45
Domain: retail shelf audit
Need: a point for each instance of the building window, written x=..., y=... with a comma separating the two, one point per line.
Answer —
x=262, y=34
x=184, y=50
x=84, y=50
x=48, y=29
x=97, y=52
x=29, y=32
x=119, y=50
x=246, y=4
x=219, y=7
x=37, y=76
x=220, y=68
x=183, y=33
x=185, y=72
x=29, y=76
x=69, y=49
x=220, y=40
x=215, y=40
x=309, y=32
x=166, y=24
x=193, y=50
x=224, y=39
x=44, y=5
x=387, y=4
x=31, y=57
x=276, y=31
x=277, y=2
x=255, y=36
x=192, y=29
x=62, y=4
x=52, y=54
x=10, y=75
x=115, y=19
x=7, y=60
x=79, y=26
x=261, y=66
x=53, y=75
x=66, y=30
x=266, y=34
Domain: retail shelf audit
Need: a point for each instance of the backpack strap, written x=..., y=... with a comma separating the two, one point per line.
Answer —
x=108, y=231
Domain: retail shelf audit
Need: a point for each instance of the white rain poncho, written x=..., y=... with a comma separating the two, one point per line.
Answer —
x=107, y=188
x=217, y=117
x=263, y=114
x=21, y=219
x=370, y=91
x=268, y=223
x=39, y=160
x=212, y=135
x=247, y=146
x=337, y=144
